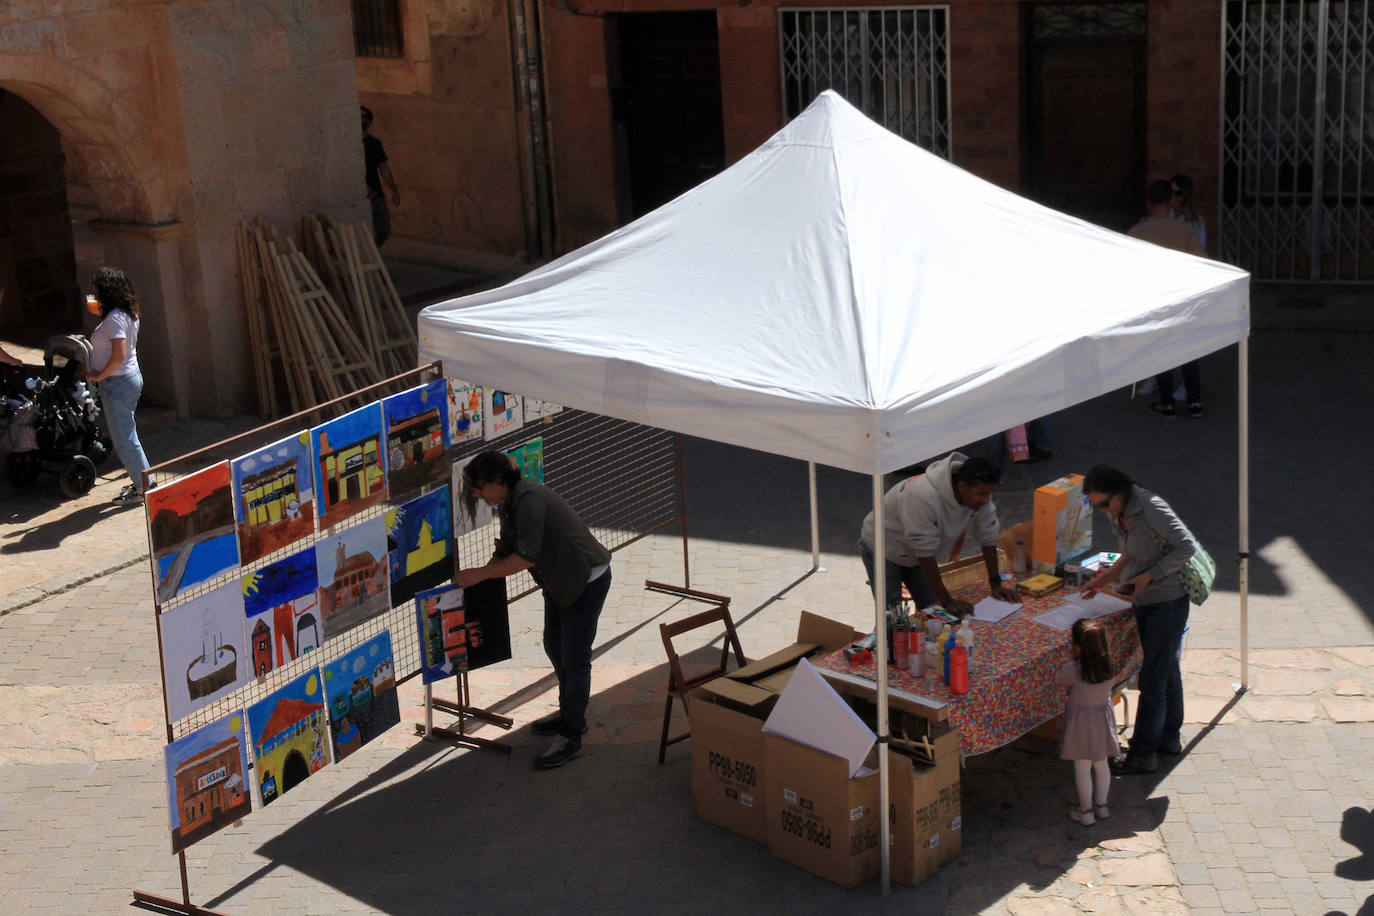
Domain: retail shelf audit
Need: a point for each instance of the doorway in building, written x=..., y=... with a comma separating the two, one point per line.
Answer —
x=1085, y=109
x=667, y=105
x=38, y=270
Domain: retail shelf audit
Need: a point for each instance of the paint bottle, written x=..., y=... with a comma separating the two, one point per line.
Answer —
x=901, y=645
x=932, y=656
x=916, y=656
x=946, y=646
x=958, y=671
x=964, y=637
x=1020, y=562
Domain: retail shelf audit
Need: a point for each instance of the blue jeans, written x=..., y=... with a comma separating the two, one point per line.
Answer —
x=1037, y=436
x=913, y=577
x=1159, y=711
x=1192, y=384
x=118, y=398
x=568, y=638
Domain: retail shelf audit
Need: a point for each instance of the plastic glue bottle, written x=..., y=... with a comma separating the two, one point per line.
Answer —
x=964, y=637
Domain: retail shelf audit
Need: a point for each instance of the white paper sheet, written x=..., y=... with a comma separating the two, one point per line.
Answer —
x=810, y=712
x=1100, y=604
x=991, y=610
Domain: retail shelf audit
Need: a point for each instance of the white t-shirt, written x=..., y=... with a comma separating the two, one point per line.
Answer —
x=118, y=324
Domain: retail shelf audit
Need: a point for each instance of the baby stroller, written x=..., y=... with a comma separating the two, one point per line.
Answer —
x=53, y=419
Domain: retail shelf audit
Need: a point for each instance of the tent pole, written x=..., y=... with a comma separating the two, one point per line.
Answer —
x=880, y=672
x=815, y=520
x=1243, y=405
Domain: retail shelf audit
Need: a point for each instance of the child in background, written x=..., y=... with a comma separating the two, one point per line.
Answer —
x=1087, y=734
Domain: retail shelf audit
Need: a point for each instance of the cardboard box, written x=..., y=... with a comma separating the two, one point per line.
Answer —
x=970, y=570
x=925, y=812
x=1062, y=525
x=726, y=718
x=818, y=818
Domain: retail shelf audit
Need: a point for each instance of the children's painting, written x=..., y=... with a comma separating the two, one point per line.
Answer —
x=207, y=780
x=417, y=438
x=501, y=412
x=274, y=497
x=192, y=525
x=204, y=654
x=536, y=409
x=360, y=688
x=464, y=412
x=352, y=566
x=349, y=473
x=528, y=459
x=462, y=629
x=464, y=520
x=420, y=544
x=287, y=730
x=282, y=604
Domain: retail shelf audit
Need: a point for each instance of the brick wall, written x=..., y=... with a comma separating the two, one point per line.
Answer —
x=986, y=67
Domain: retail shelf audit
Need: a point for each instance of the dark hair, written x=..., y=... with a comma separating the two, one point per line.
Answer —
x=1094, y=659
x=1185, y=187
x=977, y=470
x=367, y=112
x=113, y=290
x=1157, y=193
x=1103, y=478
x=486, y=467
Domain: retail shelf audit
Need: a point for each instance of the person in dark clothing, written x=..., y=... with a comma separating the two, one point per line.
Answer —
x=377, y=172
x=539, y=532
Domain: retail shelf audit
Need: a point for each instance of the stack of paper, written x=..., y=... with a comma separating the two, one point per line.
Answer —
x=991, y=610
x=1077, y=607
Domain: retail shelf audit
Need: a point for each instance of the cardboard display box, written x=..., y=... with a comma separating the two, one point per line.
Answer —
x=1062, y=525
x=925, y=812
x=726, y=717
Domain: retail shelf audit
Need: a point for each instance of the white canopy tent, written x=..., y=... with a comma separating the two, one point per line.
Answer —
x=844, y=297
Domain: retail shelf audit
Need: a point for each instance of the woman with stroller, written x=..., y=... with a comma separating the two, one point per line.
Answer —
x=114, y=349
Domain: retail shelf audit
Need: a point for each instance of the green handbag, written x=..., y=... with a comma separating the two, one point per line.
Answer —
x=1198, y=573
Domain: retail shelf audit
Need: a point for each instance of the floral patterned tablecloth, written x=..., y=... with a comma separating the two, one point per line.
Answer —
x=1012, y=688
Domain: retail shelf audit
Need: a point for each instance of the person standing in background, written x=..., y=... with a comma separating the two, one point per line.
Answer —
x=377, y=172
x=114, y=348
x=1183, y=206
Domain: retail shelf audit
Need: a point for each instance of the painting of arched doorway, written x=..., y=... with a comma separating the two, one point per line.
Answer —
x=294, y=771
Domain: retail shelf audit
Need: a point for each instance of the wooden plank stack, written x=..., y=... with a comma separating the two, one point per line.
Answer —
x=324, y=321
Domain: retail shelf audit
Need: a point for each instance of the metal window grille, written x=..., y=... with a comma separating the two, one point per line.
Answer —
x=1088, y=20
x=1297, y=139
x=377, y=28
x=892, y=63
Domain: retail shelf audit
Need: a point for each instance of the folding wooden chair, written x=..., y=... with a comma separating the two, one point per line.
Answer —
x=679, y=685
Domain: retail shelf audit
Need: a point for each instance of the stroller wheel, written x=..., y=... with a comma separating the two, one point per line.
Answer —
x=22, y=468
x=78, y=476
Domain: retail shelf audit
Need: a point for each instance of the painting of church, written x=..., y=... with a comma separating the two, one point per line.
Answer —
x=417, y=438
x=206, y=780
x=353, y=575
x=420, y=544
x=349, y=472
x=288, y=734
x=274, y=497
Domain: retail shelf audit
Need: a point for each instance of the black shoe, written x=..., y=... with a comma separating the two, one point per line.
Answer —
x=1127, y=765
x=1039, y=454
x=1164, y=410
x=1172, y=747
x=558, y=753
x=1195, y=410
x=550, y=725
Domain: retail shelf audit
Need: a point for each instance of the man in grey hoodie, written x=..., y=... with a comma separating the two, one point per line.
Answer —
x=923, y=517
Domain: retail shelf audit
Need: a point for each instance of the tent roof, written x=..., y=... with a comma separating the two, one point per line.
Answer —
x=842, y=296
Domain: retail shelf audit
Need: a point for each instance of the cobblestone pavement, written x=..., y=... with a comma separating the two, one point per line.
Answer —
x=1269, y=810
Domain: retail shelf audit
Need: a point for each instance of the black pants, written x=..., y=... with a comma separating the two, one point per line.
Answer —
x=568, y=638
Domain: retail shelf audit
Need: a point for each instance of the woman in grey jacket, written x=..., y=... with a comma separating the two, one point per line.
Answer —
x=1154, y=546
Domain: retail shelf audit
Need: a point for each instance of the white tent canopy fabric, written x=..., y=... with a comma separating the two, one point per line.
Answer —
x=842, y=296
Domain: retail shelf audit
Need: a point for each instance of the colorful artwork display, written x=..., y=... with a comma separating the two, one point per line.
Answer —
x=417, y=437
x=462, y=629
x=192, y=525
x=538, y=410
x=360, y=689
x=349, y=471
x=274, y=497
x=420, y=544
x=207, y=780
x=463, y=520
x=287, y=730
x=464, y=412
x=528, y=459
x=281, y=602
x=204, y=655
x=352, y=567
x=501, y=412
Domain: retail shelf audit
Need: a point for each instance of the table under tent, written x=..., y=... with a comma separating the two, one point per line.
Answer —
x=843, y=297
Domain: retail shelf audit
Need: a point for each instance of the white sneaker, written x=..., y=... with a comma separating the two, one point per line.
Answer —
x=1102, y=812
x=1083, y=817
